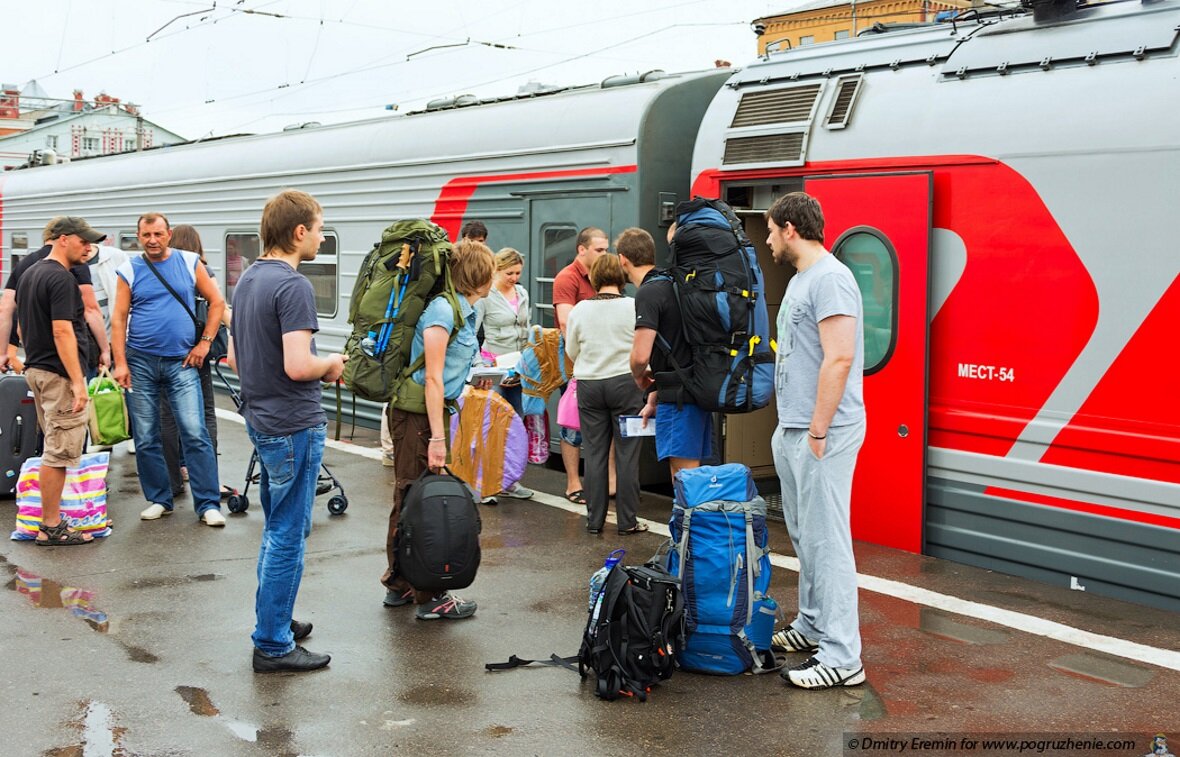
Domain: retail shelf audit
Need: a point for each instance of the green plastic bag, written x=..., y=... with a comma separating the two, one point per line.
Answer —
x=108, y=411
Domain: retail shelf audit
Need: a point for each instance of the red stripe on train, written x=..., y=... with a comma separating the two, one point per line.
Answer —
x=455, y=195
x=1118, y=513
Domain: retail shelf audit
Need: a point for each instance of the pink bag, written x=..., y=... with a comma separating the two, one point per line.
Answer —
x=537, y=427
x=567, y=408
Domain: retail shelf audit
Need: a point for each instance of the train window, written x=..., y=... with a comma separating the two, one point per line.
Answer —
x=321, y=272
x=241, y=249
x=842, y=34
x=870, y=256
x=807, y=39
x=20, y=240
x=558, y=249
x=128, y=241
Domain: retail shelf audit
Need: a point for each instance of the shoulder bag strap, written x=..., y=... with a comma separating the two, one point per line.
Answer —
x=171, y=291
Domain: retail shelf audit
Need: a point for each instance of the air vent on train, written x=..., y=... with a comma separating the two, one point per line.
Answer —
x=768, y=148
x=776, y=106
x=846, y=91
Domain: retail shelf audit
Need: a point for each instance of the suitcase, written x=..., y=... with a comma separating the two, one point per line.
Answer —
x=20, y=438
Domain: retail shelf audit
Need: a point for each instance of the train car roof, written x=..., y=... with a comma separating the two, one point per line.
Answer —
x=610, y=113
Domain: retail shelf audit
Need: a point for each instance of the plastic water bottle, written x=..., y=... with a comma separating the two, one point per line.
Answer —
x=598, y=580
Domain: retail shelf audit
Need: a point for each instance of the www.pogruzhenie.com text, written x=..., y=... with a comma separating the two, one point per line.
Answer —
x=996, y=744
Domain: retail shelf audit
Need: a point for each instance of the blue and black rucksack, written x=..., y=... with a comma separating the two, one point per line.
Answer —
x=721, y=554
x=722, y=298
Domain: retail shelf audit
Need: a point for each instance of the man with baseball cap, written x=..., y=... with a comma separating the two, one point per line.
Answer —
x=53, y=326
x=57, y=227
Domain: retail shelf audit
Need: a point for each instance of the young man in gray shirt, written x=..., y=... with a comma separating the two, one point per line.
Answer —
x=821, y=426
x=275, y=357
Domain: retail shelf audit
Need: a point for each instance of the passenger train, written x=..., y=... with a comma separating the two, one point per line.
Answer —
x=998, y=185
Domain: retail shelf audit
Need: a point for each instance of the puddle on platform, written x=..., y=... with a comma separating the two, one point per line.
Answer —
x=168, y=582
x=944, y=624
x=1103, y=669
x=200, y=703
x=48, y=594
x=436, y=695
x=498, y=731
x=139, y=654
x=100, y=737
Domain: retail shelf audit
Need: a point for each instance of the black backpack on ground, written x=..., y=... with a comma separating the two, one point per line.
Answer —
x=722, y=299
x=438, y=534
x=632, y=635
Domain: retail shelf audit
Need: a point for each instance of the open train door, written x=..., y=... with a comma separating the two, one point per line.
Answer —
x=880, y=226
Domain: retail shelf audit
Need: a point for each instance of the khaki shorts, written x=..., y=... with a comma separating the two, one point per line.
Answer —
x=65, y=430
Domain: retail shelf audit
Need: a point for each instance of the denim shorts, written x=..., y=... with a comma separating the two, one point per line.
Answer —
x=571, y=436
x=685, y=432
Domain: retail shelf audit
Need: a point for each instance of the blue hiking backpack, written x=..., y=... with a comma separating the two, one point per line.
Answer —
x=722, y=297
x=720, y=553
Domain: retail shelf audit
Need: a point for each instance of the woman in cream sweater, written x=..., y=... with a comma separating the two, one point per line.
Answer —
x=598, y=339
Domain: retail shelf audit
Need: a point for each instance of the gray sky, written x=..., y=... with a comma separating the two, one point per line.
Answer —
x=223, y=70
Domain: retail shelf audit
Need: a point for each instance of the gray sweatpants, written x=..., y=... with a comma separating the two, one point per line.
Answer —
x=817, y=499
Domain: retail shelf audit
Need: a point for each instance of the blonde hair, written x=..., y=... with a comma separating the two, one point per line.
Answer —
x=607, y=271
x=508, y=257
x=472, y=265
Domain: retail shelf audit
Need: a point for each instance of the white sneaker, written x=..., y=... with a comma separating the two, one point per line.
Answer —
x=517, y=492
x=813, y=674
x=154, y=512
x=387, y=459
x=213, y=517
x=790, y=640
x=131, y=446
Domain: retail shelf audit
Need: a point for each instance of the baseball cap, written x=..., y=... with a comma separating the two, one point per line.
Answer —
x=75, y=225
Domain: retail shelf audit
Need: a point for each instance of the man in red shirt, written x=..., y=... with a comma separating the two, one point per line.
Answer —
x=571, y=286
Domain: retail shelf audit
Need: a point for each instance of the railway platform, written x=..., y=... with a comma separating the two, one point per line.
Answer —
x=140, y=645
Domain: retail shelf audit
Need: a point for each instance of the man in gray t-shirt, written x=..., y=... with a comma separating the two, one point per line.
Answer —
x=821, y=426
x=274, y=354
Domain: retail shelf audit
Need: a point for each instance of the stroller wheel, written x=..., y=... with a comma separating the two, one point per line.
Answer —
x=338, y=504
x=237, y=503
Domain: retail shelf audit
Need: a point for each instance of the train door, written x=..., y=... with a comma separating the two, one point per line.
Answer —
x=554, y=223
x=880, y=227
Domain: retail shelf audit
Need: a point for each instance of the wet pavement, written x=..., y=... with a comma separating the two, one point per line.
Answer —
x=140, y=645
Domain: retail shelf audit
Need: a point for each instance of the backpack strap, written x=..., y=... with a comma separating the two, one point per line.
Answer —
x=554, y=661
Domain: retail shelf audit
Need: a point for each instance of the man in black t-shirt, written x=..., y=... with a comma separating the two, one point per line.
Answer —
x=684, y=432
x=96, y=335
x=52, y=323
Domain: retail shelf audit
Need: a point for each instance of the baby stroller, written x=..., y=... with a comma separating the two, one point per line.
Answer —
x=238, y=502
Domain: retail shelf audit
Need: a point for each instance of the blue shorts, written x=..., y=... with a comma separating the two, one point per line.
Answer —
x=683, y=432
x=571, y=436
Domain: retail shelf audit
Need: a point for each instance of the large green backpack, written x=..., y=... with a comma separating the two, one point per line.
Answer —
x=403, y=272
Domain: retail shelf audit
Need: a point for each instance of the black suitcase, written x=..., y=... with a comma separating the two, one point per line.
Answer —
x=20, y=438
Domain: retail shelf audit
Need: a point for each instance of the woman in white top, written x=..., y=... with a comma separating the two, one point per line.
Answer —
x=504, y=318
x=598, y=338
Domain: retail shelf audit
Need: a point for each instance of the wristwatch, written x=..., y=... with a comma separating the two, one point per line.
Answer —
x=207, y=339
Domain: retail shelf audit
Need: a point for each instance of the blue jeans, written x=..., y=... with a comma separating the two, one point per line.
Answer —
x=290, y=468
x=151, y=378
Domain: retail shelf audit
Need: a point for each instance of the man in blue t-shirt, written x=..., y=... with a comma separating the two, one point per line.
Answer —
x=274, y=354
x=157, y=354
x=819, y=372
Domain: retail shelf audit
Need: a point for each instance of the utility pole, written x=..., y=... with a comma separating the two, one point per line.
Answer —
x=853, y=18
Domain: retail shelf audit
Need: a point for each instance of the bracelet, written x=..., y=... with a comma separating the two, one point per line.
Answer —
x=817, y=438
x=208, y=339
x=437, y=439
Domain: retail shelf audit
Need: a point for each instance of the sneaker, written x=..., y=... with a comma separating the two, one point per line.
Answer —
x=395, y=598
x=813, y=674
x=131, y=446
x=489, y=501
x=154, y=511
x=517, y=492
x=298, y=660
x=387, y=459
x=447, y=606
x=790, y=640
x=213, y=517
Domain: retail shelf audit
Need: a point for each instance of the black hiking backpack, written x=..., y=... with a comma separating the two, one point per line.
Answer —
x=722, y=299
x=438, y=534
x=634, y=632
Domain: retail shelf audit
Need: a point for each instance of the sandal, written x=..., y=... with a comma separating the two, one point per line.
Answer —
x=62, y=535
x=578, y=497
x=639, y=528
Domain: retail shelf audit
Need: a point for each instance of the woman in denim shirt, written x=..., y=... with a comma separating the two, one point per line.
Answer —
x=417, y=415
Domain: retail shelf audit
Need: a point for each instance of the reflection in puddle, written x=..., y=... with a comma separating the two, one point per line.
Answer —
x=200, y=703
x=947, y=626
x=1104, y=669
x=43, y=592
x=98, y=733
